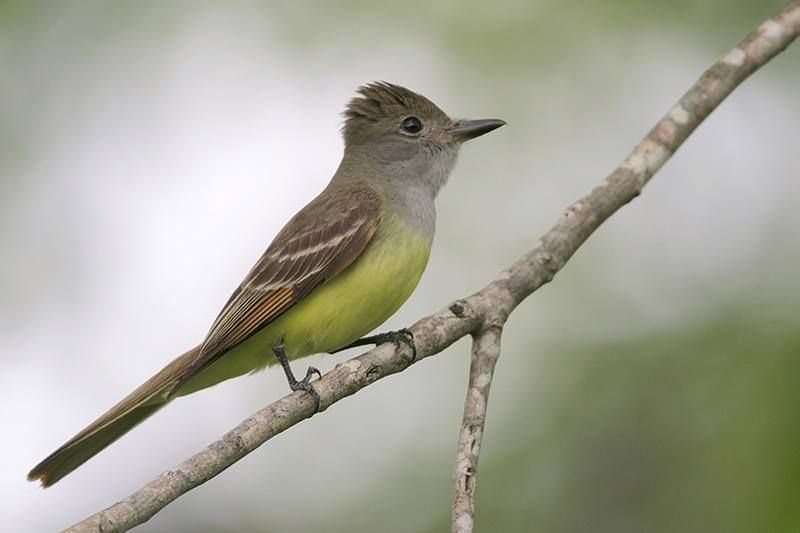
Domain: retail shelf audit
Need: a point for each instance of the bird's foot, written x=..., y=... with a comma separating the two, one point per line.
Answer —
x=304, y=384
x=403, y=336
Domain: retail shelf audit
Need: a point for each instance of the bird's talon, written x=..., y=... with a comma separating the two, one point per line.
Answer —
x=404, y=335
x=306, y=386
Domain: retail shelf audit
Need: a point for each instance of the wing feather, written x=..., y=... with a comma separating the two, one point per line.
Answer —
x=320, y=241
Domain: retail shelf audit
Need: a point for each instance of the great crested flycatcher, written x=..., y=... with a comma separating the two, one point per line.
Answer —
x=338, y=269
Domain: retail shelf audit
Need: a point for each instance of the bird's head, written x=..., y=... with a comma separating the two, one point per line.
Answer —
x=406, y=135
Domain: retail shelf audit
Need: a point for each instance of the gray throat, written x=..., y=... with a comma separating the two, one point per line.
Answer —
x=414, y=205
x=410, y=186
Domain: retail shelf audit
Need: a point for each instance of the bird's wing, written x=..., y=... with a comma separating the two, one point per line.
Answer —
x=319, y=242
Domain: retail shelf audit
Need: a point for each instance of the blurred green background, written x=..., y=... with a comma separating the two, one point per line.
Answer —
x=150, y=150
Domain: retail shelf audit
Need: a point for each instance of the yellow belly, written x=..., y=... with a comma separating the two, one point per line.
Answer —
x=335, y=314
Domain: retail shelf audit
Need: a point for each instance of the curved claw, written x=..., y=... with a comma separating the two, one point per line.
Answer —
x=405, y=335
x=306, y=385
x=310, y=372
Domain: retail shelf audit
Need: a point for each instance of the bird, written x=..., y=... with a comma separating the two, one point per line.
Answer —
x=336, y=271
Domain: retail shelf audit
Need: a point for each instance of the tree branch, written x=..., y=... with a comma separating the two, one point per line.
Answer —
x=498, y=299
x=485, y=352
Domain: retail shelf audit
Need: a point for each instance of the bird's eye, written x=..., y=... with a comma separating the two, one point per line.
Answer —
x=412, y=125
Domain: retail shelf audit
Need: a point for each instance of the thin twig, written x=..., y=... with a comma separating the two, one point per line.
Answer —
x=485, y=352
x=434, y=333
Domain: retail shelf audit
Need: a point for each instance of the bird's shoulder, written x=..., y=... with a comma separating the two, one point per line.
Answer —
x=334, y=210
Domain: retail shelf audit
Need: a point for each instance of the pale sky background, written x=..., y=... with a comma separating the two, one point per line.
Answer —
x=150, y=152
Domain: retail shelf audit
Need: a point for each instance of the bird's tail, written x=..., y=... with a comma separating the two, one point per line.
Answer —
x=151, y=396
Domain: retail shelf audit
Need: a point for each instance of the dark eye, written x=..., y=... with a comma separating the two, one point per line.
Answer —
x=412, y=125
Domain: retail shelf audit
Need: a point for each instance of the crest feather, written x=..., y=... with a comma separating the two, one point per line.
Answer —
x=381, y=100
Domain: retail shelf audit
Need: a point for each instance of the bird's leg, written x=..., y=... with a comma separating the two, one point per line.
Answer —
x=305, y=384
x=396, y=337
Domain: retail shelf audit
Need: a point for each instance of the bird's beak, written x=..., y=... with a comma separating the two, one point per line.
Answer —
x=464, y=130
